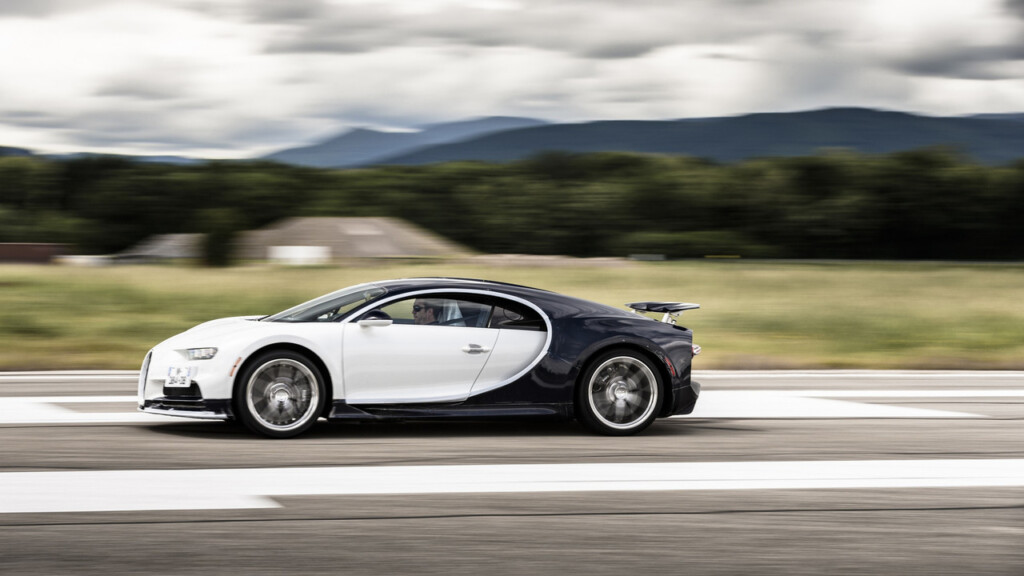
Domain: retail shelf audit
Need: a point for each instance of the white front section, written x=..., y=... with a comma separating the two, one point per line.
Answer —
x=236, y=340
x=409, y=363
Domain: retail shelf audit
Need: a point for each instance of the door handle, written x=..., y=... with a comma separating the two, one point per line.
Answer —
x=475, y=349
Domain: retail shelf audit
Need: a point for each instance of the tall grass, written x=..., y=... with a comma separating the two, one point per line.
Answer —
x=754, y=314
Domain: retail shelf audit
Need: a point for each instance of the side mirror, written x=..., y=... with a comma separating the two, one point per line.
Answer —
x=375, y=318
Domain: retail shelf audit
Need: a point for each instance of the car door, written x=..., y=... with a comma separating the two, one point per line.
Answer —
x=522, y=338
x=410, y=362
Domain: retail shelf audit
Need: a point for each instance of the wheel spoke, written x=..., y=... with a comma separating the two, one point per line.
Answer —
x=620, y=411
x=261, y=405
x=630, y=372
x=262, y=381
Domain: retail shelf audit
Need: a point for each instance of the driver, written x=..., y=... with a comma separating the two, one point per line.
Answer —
x=426, y=311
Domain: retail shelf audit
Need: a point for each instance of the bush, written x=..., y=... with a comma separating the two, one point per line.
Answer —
x=696, y=244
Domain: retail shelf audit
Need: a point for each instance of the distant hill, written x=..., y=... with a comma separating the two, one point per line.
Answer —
x=728, y=139
x=987, y=138
x=1010, y=117
x=180, y=160
x=10, y=151
x=362, y=146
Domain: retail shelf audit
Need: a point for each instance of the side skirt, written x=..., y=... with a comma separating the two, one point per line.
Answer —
x=340, y=410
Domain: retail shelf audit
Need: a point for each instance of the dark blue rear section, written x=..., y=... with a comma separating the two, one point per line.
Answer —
x=581, y=330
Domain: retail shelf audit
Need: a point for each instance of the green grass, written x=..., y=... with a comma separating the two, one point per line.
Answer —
x=754, y=314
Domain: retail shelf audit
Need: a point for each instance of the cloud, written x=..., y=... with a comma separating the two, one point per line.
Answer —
x=595, y=30
x=967, y=62
x=142, y=128
x=57, y=8
x=32, y=119
x=156, y=80
x=240, y=77
x=1016, y=7
x=39, y=8
x=276, y=12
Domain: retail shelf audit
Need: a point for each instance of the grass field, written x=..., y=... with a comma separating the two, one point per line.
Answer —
x=754, y=314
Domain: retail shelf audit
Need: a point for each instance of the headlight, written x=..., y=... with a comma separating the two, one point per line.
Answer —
x=201, y=353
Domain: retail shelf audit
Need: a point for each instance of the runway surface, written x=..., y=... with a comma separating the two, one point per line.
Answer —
x=775, y=473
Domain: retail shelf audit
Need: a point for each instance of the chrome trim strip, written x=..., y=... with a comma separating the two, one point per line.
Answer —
x=143, y=376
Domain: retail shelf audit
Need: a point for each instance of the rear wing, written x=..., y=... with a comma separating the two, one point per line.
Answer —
x=670, y=310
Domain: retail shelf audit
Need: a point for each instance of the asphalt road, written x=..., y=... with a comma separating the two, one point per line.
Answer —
x=65, y=434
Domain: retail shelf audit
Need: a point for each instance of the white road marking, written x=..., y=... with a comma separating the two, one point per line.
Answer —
x=956, y=375
x=887, y=393
x=808, y=404
x=712, y=404
x=62, y=376
x=44, y=410
x=128, y=490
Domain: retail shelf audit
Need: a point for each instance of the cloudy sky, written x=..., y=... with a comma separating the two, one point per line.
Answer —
x=239, y=78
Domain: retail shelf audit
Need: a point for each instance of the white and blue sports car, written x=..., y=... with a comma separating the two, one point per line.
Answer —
x=429, y=348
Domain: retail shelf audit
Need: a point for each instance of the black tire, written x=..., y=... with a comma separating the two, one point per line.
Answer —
x=620, y=393
x=280, y=394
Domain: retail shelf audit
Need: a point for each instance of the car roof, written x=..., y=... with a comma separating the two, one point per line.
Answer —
x=552, y=303
x=447, y=282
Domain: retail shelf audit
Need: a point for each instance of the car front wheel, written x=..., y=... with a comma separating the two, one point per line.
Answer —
x=280, y=394
x=620, y=393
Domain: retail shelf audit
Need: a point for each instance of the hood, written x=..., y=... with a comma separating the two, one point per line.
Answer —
x=214, y=332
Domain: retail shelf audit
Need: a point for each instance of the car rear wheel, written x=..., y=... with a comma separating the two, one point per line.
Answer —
x=620, y=393
x=280, y=394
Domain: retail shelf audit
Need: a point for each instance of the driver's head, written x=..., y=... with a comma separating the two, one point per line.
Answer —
x=426, y=311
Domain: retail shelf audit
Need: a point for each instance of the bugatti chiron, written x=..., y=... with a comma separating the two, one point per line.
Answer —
x=429, y=348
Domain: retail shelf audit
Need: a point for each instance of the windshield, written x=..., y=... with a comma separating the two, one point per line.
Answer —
x=331, y=307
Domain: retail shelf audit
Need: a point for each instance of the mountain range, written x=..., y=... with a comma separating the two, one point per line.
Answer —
x=362, y=146
x=987, y=138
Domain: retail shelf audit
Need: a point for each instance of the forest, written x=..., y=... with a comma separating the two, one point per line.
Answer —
x=919, y=204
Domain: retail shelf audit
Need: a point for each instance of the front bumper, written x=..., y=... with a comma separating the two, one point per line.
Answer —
x=202, y=409
x=192, y=402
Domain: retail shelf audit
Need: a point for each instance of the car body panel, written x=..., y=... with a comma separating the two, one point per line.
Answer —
x=409, y=363
x=514, y=352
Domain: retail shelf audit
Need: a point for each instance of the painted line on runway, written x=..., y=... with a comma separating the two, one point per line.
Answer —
x=712, y=404
x=819, y=403
x=887, y=393
x=136, y=490
x=47, y=410
x=957, y=375
x=68, y=376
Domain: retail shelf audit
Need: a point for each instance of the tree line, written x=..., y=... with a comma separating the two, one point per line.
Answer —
x=920, y=204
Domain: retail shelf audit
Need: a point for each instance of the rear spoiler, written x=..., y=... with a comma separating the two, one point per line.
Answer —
x=671, y=310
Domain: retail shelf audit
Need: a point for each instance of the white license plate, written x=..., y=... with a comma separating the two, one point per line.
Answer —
x=179, y=377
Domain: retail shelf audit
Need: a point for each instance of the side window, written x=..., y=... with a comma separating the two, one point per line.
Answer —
x=515, y=316
x=466, y=310
x=440, y=310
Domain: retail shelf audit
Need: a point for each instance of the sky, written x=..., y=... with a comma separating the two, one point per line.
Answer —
x=243, y=78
